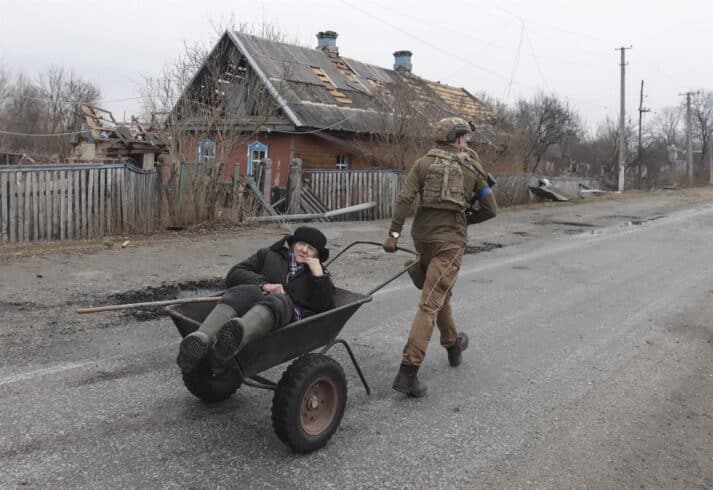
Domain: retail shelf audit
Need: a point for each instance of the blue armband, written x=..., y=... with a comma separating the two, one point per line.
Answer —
x=484, y=192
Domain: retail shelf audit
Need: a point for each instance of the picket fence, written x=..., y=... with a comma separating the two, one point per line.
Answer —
x=68, y=202
x=65, y=202
x=341, y=188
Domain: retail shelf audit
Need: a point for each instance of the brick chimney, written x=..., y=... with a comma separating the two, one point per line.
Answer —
x=402, y=60
x=327, y=41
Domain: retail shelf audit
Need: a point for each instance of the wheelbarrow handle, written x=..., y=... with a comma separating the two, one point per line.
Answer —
x=387, y=281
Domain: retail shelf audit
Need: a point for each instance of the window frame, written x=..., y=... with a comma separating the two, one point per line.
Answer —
x=255, y=146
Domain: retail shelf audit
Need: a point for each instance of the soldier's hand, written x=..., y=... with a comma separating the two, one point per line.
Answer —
x=390, y=244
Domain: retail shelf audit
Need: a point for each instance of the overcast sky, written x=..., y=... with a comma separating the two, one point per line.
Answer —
x=507, y=49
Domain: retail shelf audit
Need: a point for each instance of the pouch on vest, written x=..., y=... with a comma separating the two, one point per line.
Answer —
x=443, y=186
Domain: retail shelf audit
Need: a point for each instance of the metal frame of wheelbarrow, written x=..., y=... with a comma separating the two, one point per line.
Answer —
x=297, y=338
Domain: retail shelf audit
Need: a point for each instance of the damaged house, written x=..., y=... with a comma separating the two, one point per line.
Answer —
x=103, y=139
x=256, y=98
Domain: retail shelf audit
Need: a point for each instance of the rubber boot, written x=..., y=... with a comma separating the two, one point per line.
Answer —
x=455, y=352
x=407, y=382
x=255, y=323
x=195, y=346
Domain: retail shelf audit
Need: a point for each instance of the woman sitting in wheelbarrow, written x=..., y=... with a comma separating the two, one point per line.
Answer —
x=280, y=284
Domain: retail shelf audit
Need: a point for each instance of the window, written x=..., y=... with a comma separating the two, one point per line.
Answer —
x=206, y=150
x=342, y=161
x=256, y=152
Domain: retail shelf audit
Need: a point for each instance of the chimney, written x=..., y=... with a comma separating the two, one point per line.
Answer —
x=402, y=60
x=327, y=41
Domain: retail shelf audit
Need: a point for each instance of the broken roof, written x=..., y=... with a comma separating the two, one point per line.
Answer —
x=320, y=89
x=99, y=125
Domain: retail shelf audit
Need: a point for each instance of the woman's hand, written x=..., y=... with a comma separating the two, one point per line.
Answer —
x=272, y=288
x=315, y=266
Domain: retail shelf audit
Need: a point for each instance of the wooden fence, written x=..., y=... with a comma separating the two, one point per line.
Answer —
x=59, y=202
x=341, y=188
x=65, y=202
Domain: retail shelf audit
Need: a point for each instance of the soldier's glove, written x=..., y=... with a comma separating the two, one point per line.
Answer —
x=390, y=244
x=472, y=216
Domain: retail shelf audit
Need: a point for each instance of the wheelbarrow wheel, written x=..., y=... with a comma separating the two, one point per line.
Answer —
x=209, y=387
x=309, y=402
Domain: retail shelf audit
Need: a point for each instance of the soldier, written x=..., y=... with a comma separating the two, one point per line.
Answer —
x=447, y=178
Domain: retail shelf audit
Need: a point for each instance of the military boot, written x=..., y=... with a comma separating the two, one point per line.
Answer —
x=237, y=332
x=195, y=346
x=407, y=382
x=455, y=352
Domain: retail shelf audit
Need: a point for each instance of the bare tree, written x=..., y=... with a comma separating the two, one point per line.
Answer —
x=541, y=123
x=702, y=111
x=44, y=107
x=213, y=102
x=403, y=128
x=667, y=125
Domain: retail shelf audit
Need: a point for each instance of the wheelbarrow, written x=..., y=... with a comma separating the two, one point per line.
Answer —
x=311, y=395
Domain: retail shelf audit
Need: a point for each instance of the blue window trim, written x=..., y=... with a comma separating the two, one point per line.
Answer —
x=203, y=143
x=254, y=146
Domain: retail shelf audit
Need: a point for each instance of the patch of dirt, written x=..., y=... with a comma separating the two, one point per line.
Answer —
x=165, y=291
x=485, y=247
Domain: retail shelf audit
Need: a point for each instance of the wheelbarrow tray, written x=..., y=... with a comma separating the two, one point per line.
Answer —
x=282, y=344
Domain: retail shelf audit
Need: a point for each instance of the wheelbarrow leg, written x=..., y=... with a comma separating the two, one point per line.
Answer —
x=353, y=358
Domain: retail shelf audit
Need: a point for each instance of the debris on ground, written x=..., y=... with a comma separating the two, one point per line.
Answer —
x=545, y=190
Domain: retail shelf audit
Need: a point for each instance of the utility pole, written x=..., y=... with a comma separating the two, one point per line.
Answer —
x=710, y=162
x=642, y=110
x=622, y=123
x=689, y=139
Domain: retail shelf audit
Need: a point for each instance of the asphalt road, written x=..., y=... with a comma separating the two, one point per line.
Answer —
x=590, y=366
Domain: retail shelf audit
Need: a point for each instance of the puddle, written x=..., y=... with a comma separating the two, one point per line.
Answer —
x=485, y=247
x=170, y=290
x=564, y=223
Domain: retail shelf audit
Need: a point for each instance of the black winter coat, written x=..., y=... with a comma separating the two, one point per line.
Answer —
x=271, y=265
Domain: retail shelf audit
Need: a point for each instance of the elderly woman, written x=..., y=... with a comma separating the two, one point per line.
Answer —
x=278, y=285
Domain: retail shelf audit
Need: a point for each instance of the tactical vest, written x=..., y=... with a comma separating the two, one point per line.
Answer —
x=443, y=186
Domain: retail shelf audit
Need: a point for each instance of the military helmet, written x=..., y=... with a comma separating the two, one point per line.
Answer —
x=449, y=128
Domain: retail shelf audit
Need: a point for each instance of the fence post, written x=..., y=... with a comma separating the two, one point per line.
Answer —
x=267, y=179
x=294, y=187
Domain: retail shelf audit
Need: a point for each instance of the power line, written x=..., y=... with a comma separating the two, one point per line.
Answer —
x=11, y=133
x=427, y=43
x=517, y=59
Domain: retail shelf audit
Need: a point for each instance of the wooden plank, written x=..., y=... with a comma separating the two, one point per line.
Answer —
x=48, y=205
x=109, y=204
x=83, y=203
x=70, y=208
x=34, y=176
x=365, y=193
x=370, y=193
x=4, y=214
x=62, y=205
x=132, y=201
x=348, y=189
x=13, y=207
x=42, y=206
x=96, y=213
x=21, y=207
x=124, y=200
x=51, y=197
x=102, y=195
x=27, y=223
x=90, y=203
x=77, y=209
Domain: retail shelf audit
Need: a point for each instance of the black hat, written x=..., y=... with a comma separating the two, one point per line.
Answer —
x=312, y=236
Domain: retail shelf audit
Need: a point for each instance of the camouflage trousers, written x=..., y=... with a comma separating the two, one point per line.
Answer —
x=435, y=276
